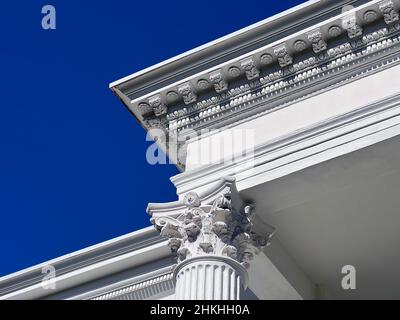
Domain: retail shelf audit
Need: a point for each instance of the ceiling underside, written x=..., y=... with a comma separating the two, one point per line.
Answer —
x=345, y=211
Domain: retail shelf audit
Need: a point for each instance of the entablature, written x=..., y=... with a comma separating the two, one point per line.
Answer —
x=331, y=51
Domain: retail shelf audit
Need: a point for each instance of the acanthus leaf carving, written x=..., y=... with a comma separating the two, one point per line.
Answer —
x=168, y=227
x=213, y=228
x=192, y=200
x=230, y=251
x=174, y=244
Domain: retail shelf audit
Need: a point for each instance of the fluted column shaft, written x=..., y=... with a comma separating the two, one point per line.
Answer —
x=210, y=278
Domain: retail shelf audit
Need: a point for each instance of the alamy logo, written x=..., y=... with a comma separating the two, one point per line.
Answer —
x=349, y=280
x=49, y=280
x=209, y=146
x=49, y=18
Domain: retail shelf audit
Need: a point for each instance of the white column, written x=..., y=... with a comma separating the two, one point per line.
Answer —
x=210, y=278
x=214, y=241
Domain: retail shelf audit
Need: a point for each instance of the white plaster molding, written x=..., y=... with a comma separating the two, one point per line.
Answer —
x=217, y=222
x=319, y=142
x=211, y=237
x=321, y=25
x=137, y=287
x=226, y=107
x=253, y=30
x=106, y=261
x=148, y=289
x=375, y=53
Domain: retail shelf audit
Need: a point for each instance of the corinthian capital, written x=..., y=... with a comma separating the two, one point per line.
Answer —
x=215, y=223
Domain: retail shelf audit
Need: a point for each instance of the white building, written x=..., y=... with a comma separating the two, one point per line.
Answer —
x=287, y=134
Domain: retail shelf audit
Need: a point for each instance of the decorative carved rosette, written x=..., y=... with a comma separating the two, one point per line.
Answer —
x=300, y=45
x=213, y=229
x=144, y=108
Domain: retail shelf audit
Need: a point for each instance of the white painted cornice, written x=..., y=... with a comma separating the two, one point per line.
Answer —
x=247, y=34
x=292, y=55
x=104, y=259
x=207, y=197
x=145, y=286
x=303, y=148
x=273, y=49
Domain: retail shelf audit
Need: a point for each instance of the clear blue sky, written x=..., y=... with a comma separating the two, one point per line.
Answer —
x=73, y=170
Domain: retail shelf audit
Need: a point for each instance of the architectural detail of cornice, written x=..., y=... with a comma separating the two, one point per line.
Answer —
x=352, y=26
x=284, y=58
x=388, y=9
x=158, y=107
x=187, y=92
x=249, y=67
x=349, y=53
x=217, y=79
x=144, y=109
x=308, y=60
x=300, y=45
x=266, y=59
x=334, y=31
x=140, y=291
x=156, y=123
x=318, y=38
x=317, y=41
x=370, y=16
